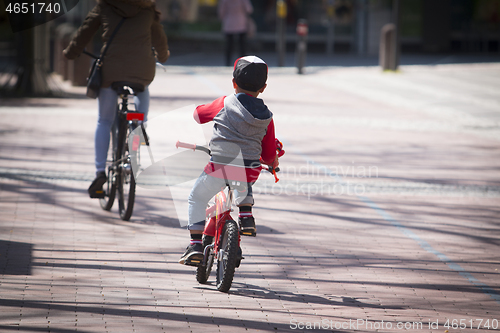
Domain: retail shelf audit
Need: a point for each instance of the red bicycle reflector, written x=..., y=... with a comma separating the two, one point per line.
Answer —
x=135, y=116
x=136, y=141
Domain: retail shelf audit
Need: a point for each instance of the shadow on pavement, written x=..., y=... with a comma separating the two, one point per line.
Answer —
x=156, y=313
x=15, y=258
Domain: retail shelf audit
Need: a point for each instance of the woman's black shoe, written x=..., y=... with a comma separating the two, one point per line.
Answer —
x=95, y=190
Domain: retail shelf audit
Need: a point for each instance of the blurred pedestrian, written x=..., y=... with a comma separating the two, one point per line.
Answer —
x=235, y=16
x=130, y=58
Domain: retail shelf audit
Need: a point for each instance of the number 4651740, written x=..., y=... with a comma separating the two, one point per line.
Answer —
x=32, y=8
x=472, y=324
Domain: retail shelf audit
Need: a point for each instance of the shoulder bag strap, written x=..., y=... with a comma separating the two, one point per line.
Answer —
x=111, y=38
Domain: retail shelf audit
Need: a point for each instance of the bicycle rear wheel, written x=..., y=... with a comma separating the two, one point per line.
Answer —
x=126, y=182
x=227, y=256
x=203, y=272
x=110, y=192
x=126, y=191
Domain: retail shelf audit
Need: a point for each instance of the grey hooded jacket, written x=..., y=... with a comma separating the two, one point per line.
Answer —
x=240, y=127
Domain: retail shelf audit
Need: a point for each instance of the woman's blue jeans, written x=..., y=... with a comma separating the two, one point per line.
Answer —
x=107, y=102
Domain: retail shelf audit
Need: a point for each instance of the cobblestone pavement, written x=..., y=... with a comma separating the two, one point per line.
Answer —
x=386, y=218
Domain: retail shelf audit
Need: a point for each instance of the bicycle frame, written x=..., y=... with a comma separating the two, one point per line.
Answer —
x=217, y=216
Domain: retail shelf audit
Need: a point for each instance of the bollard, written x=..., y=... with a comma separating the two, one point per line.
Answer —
x=301, y=50
x=330, y=33
x=281, y=14
x=387, y=53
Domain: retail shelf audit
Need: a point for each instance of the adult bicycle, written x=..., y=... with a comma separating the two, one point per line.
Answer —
x=125, y=156
x=125, y=149
x=222, y=235
x=125, y=152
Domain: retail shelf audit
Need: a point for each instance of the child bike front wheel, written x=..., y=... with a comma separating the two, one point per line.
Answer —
x=227, y=256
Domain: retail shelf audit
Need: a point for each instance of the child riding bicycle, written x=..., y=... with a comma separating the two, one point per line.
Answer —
x=243, y=137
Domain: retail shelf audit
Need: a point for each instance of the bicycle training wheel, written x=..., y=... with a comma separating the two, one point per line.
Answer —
x=203, y=272
x=126, y=183
x=227, y=256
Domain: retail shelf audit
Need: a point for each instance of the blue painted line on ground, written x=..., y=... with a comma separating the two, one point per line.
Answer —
x=410, y=234
x=427, y=247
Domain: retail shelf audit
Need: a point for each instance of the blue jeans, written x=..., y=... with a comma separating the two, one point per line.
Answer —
x=204, y=189
x=107, y=101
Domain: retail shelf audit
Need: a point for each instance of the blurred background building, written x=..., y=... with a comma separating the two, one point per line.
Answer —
x=425, y=25
x=335, y=27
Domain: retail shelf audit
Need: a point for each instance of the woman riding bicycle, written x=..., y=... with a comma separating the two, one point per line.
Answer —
x=130, y=58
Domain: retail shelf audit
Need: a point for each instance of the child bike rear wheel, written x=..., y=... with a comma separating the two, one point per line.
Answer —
x=203, y=272
x=227, y=256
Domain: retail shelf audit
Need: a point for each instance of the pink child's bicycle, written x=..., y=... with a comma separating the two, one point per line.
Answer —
x=222, y=238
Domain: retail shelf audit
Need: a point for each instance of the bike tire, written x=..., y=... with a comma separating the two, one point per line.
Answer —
x=126, y=196
x=110, y=193
x=203, y=272
x=227, y=256
x=126, y=182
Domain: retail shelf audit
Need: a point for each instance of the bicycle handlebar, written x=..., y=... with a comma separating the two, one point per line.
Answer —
x=193, y=147
x=272, y=170
x=185, y=145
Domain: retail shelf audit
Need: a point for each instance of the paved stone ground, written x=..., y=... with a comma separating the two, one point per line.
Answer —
x=386, y=217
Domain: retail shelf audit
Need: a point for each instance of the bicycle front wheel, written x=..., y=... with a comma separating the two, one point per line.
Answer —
x=227, y=256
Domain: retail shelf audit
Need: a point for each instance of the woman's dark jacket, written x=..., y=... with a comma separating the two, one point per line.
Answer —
x=129, y=57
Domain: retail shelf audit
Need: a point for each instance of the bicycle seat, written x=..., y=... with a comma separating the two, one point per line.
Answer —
x=119, y=87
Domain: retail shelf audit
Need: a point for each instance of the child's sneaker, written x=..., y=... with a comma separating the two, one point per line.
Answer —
x=247, y=226
x=193, y=255
x=95, y=190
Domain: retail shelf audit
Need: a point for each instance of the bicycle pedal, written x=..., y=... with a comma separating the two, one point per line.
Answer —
x=251, y=233
x=194, y=260
x=97, y=194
